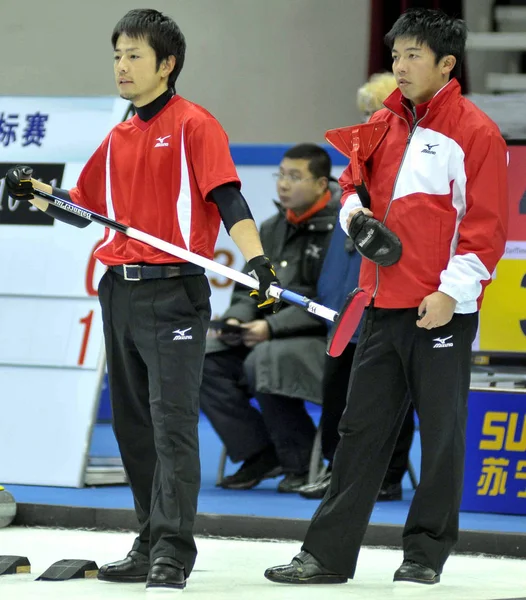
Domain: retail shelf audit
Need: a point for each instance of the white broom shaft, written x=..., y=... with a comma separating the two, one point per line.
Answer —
x=146, y=238
x=196, y=259
x=242, y=278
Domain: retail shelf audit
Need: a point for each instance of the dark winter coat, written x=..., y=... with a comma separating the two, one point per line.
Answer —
x=291, y=362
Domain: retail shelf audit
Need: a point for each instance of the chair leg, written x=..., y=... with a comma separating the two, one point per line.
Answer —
x=412, y=474
x=315, y=458
x=221, y=467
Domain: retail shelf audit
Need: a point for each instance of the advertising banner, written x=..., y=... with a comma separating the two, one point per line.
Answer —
x=503, y=316
x=495, y=477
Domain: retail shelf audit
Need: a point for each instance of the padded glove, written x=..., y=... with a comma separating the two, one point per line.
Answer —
x=374, y=241
x=18, y=182
x=261, y=268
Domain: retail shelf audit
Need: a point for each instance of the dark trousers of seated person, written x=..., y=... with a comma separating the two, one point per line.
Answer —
x=226, y=390
x=335, y=384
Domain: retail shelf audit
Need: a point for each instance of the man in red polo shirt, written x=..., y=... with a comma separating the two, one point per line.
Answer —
x=167, y=171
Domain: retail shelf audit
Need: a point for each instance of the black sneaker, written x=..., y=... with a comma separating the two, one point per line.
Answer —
x=413, y=572
x=389, y=492
x=292, y=483
x=303, y=568
x=264, y=465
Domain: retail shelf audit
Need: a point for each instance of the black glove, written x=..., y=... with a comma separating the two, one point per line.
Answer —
x=374, y=241
x=18, y=182
x=261, y=268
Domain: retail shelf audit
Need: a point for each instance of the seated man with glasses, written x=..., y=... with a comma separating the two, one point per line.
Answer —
x=276, y=358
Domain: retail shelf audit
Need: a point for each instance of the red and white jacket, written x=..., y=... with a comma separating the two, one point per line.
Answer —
x=440, y=184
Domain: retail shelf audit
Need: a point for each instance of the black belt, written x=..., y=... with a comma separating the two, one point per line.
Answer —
x=138, y=272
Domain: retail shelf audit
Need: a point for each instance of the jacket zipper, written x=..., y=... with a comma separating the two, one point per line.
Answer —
x=410, y=135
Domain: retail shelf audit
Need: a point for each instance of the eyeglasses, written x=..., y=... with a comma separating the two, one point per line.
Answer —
x=291, y=178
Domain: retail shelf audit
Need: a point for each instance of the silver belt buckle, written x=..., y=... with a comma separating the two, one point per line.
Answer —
x=130, y=277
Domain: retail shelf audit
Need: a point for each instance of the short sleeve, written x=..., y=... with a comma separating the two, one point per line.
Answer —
x=90, y=191
x=210, y=157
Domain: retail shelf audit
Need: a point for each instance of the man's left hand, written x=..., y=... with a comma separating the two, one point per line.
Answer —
x=255, y=332
x=436, y=310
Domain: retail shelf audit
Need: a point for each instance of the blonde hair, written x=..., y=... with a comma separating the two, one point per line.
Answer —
x=372, y=94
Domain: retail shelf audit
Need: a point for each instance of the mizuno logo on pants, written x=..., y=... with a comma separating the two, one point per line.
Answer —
x=443, y=342
x=181, y=334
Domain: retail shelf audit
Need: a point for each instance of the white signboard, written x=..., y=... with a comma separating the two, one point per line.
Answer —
x=51, y=345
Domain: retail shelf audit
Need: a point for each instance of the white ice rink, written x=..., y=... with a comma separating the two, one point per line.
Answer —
x=233, y=570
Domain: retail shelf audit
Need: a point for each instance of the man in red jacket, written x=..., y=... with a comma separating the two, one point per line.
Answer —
x=437, y=180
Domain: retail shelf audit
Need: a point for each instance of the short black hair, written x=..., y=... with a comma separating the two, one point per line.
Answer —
x=320, y=163
x=161, y=32
x=442, y=33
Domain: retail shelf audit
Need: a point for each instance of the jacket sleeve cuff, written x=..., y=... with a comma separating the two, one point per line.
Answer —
x=352, y=202
x=270, y=328
x=462, y=280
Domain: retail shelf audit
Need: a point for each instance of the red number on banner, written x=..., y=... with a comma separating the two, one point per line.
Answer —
x=86, y=321
x=229, y=261
x=91, y=290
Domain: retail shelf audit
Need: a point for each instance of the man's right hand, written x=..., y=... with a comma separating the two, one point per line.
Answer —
x=365, y=211
x=19, y=183
x=261, y=268
x=229, y=338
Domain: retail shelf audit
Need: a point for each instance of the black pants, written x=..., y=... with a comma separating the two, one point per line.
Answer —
x=336, y=377
x=155, y=340
x=395, y=357
x=284, y=422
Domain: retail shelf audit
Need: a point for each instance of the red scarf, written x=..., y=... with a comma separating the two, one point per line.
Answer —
x=316, y=207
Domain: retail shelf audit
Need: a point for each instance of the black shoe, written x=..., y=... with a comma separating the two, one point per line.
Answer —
x=416, y=573
x=292, y=482
x=264, y=465
x=134, y=568
x=304, y=568
x=166, y=574
x=390, y=491
x=317, y=489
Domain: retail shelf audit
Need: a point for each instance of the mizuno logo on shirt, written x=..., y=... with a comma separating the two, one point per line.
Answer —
x=180, y=334
x=443, y=342
x=428, y=148
x=161, y=143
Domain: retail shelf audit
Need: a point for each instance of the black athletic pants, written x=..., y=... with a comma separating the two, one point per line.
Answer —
x=336, y=376
x=394, y=357
x=155, y=341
